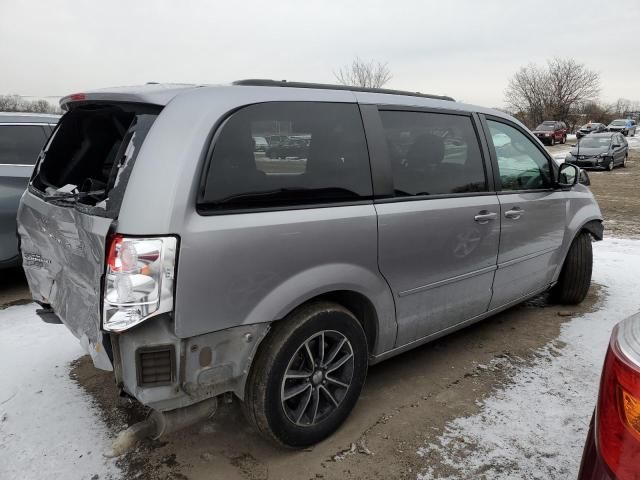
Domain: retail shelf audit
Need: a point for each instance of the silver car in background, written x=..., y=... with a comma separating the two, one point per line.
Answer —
x=22, y=136
x=196, y=267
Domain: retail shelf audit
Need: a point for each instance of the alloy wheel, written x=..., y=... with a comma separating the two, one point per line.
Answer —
x=317, y=378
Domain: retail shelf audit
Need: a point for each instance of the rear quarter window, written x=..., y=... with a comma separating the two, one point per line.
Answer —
x=315, y=153
x=21, y=144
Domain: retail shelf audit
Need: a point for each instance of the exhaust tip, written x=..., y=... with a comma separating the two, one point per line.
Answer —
x=161, y=423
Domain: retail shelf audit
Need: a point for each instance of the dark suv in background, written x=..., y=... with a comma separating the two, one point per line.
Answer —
x=22, y=136
x=590, y=127
x=551, y=132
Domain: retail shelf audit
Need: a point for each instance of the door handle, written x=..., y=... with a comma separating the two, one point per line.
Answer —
x=484, y=216
x=515, y=213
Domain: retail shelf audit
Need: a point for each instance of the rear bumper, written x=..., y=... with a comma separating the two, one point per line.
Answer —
x=200, y=367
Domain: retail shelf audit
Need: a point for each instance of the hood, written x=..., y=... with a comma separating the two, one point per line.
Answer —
x=589, y=152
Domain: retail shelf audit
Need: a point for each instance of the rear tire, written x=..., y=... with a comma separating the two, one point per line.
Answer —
x=295, y=395
x=552, y=142
x=575, y=277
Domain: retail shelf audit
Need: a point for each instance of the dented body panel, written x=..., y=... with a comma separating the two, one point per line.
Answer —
x=63, y=258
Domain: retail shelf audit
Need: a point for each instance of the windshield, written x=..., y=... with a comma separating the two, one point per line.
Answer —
x=589, y=126
x=619, y=122
x=595, y=142
x=545, y=128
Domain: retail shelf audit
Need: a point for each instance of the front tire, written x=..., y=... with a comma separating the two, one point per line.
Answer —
x=624, y=161
x=575, y=277
x=307, y=375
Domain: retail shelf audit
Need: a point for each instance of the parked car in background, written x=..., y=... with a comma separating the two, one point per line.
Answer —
x=260, y=144
x=626, y=127
x=591, y=127
x=600, y=151
x=551, y=132
x=290, y=147
x=612, y=449
x=280, y=282
x=22, y=136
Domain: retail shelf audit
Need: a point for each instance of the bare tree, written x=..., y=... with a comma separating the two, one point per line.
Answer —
x=528, y=93
x=9, y=103
x=571, y=84
x=624, y=107
x=372, y=74
x=15, y=103
x=553, y=91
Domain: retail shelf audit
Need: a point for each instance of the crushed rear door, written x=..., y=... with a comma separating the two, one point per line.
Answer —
x=63, y=258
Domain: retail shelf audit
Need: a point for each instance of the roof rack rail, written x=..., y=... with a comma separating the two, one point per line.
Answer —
x=263, y=82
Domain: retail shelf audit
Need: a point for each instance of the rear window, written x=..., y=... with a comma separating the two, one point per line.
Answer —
x=90, y=155
x=21, y=144
x=316, y=153
x=545, y=127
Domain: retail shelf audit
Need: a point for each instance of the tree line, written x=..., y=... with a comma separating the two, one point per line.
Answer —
x=16, y=103
x=564, y=90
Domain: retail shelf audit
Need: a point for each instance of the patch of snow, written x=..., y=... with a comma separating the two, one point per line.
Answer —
x=535, y=428
x=50, y=429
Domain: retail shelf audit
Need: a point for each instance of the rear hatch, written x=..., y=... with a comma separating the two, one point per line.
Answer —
x=70, y=208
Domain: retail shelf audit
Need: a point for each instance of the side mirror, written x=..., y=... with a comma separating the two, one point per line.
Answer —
x=584, y=178
x=568, y=175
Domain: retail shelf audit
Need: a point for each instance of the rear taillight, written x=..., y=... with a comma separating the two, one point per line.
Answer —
x=139, y=280
x=618, y=410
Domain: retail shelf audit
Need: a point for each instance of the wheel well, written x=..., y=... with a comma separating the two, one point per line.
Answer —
x=595, y=228
x=360, y=306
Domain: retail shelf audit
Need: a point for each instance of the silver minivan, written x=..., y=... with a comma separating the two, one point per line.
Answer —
x=196, y=266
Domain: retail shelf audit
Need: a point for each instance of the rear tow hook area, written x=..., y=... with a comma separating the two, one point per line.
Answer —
x=161, y=423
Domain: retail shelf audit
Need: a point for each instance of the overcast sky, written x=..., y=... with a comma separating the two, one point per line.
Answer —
x=466, y=49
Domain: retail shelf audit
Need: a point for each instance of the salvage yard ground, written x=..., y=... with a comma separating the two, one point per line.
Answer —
x=510, y=397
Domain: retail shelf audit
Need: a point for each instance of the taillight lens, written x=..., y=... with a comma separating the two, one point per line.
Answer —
x=138, y=281
x=618, y=411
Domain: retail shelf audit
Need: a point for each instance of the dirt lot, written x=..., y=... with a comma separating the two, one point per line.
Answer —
x=406, y=401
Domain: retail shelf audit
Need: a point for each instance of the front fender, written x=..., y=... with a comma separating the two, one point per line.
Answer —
x=583, y=213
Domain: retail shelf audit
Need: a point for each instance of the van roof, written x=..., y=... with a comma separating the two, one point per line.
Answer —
x=163, y=93
x=252, y=91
